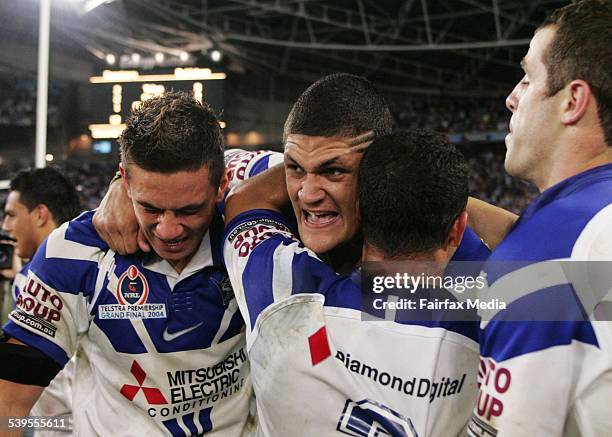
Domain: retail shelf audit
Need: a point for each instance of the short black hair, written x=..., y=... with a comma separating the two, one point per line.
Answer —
x=412, y=186
x=340, y=104
x=579, y=50
x=47, y=186
x=174, y=132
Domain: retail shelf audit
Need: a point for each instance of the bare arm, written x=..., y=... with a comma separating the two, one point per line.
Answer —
x=16, y=400
x=116, y=222
x=490, y=222
x=267, y=190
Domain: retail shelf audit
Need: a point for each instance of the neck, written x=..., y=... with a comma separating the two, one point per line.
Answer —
x=580, y=156
x=345, y=257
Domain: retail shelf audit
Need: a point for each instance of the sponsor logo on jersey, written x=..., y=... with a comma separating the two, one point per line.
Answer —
x=39, y=302
x=195, y=389
x=368, y=418
x=493, y=380
x=248, y=235
x=418, y=387
x=34, y=323
x=153, y=395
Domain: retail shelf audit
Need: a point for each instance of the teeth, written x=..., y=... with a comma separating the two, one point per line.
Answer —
x=320, y=218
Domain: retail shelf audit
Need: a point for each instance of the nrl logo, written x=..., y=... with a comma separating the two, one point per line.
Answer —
x=133, y=288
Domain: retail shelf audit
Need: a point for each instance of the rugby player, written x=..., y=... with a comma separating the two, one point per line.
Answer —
x=39, y=201
x=546, y=361
x=317, y=367
x=160, y=339
x=330, y=114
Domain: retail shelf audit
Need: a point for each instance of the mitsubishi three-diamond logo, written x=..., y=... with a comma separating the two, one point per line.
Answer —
x=153, y=395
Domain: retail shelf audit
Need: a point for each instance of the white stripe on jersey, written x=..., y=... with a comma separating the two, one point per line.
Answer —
x=59, y=247
x=531, y=278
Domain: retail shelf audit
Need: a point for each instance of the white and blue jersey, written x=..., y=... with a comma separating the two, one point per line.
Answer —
x=317, y=368
x=160, y=352
x=546, y=362
x=56, y=399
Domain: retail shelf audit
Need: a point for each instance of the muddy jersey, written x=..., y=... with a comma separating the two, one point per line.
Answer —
x=317, y=368
x=546, y=359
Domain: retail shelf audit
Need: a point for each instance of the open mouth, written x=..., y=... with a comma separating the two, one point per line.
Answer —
x=173, y=245
x=319, y=218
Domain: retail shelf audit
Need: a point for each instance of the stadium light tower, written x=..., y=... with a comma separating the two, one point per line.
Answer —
x=42, y=83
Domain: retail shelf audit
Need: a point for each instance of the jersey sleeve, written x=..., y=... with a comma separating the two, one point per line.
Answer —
x=242, y=164
x=471, y=248
x=268, y=264
x=51, y=311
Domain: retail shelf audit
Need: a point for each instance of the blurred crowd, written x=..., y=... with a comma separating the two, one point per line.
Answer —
x=458, y=117
x=451, y=115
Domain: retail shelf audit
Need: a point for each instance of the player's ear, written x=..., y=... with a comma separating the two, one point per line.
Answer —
x=42, y=215
x=578, y=96
x=125, y=180
x=222, y=187
x=457, y=229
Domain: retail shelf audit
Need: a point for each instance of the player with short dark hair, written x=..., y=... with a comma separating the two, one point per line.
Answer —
x=39, y=201
x=429, y=205
x=160, y=339
x=339, y=104
x=546, y=359
x=314, y=359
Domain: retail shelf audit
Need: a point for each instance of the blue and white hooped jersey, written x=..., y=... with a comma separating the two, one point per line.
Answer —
x=317, y=368
x=160, y=353
x=551, y=374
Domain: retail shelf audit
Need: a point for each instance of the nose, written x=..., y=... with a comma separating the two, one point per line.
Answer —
x=5, y=224
x=168, y=227
x=512, y=100
x=311, y=190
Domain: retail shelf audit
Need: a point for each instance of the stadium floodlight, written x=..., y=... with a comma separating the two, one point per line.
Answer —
x=159, y=57
x=184, y=56
x=110, y=59
x=215, y=55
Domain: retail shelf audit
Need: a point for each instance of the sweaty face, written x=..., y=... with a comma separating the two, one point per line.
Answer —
x=173, y=210
x=322, y=184
x=20, y=224
x=535, y=122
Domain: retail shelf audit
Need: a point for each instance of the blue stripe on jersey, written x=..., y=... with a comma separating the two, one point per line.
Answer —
x=525, y=318
x=174, y=428
x=188, y=421
x=82, y=230
x=204, y=418
x=311, y=275
x=234, y=327
x=257, y=277
x=45, y=346
x=122, y=335
x=60, y=273
x=259, y=166
x=471, y=248
x=551, y=224
x=504, y=340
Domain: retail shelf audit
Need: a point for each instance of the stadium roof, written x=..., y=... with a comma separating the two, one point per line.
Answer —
x=416, y=46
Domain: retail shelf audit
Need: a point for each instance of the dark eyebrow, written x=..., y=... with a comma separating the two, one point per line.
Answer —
x=330, y=163
x=190, y=207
